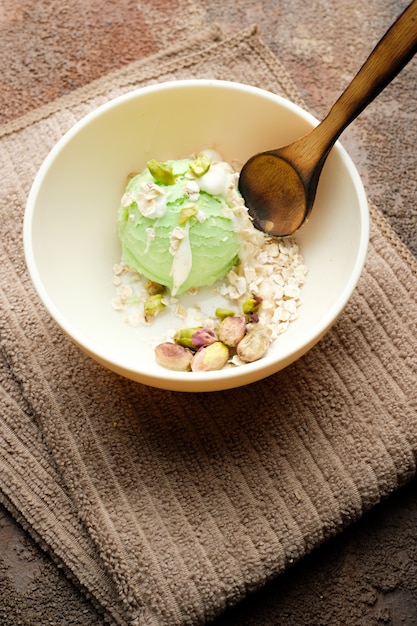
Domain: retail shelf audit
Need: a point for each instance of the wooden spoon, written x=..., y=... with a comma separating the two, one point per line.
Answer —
x=279, y=186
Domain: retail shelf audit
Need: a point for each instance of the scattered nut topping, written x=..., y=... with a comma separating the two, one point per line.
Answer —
x=265, y=292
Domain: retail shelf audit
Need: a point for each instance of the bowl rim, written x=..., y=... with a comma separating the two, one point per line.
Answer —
x=196, y=381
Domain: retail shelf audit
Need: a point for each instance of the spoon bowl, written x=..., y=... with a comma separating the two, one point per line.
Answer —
x=279, y=186
x=275, y=194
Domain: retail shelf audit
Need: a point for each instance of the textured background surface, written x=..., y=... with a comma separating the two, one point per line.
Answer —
x=368, y=575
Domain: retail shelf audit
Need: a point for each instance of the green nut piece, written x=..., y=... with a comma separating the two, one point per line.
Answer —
x=212, y=357
x=253, y=345
x=173, y=357
x=153, y=305
x=222, y=313
x=200, y=165
x=186, y=213
x=184, y=336
x=161, y=172
x=232, y=330
x=252, y=304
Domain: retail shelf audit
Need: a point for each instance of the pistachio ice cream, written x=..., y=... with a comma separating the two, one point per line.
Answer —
x=178, y=222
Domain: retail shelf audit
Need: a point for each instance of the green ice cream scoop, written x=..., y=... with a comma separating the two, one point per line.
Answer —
x=176, y=222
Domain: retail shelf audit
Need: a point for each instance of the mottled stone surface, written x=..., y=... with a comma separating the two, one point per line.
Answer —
x=368, y=575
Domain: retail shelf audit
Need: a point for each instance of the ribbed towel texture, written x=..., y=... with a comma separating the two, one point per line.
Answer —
x=167, y=507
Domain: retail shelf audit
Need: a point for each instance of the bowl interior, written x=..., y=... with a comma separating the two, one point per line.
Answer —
x=70, y=233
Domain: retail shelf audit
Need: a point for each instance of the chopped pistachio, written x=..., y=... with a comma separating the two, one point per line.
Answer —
x=253, y=345
x=153, y=305
x=161, y=172
x=200, y=165
x=184, y=336
x=252, y=304
x=173, y=356
x=187, y=212
x=204, y=337
x=222, y=313
x=154, y=288
x=232, y=330
x=212, y=357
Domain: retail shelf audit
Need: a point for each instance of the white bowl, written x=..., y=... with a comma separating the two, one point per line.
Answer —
x=70, y=235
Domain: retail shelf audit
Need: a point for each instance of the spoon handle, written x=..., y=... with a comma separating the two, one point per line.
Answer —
x=391, y=54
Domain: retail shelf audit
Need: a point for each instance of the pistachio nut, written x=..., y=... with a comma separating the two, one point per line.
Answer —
x=187, y=212
x=232, y=330
x=173, y=356
x=212, y=357
x=184, y=336
x=161, y=172
x=222, y=313
x=153, y=305
x=252, y=304
x=203, y=337
x=200, y=165
x=253, y=345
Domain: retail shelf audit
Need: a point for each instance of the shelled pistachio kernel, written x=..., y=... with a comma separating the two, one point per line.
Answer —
x=204, y=337
x=252, y=304
x=153, y=305
x=212, y=357
x=161, y=172
x=254, y=345
x=222, y=313
x=172, y=356
x=232, y=330
x=200, y=165
x=184, y=336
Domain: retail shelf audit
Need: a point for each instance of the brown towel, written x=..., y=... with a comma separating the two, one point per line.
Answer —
x=168, y=507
